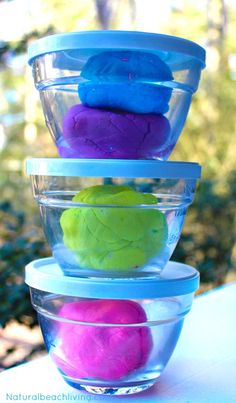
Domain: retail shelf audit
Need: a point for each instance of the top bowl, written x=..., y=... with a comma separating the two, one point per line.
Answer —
x=115, y=94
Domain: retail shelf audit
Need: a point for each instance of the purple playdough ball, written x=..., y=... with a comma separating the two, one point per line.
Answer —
x=98, y=133
x=106, y=353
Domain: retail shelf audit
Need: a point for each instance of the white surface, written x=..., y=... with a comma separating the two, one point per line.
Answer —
x=201, y=370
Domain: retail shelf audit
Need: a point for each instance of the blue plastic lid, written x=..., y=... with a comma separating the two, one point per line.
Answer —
x=175, y=279
x=91, y=41
x=108, y=168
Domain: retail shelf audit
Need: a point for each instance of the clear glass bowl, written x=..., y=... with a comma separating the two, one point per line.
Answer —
x=110, y=337
x=112, y=226
x=115, y=94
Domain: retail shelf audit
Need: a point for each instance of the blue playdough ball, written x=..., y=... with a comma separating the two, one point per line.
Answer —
x=129, y=97
x=126, y=80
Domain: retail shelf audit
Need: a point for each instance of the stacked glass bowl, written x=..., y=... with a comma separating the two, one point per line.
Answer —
x=111, y=305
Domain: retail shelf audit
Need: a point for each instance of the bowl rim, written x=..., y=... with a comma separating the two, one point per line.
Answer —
x=108, y=168
x=116, y=39
x=176, y=279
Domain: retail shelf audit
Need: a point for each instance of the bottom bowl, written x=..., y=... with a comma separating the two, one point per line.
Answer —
x=111, y=336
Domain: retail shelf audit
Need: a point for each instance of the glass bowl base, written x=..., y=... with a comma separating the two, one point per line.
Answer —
x=133, y=388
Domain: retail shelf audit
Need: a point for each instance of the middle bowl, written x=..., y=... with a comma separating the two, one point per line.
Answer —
x=112, y=218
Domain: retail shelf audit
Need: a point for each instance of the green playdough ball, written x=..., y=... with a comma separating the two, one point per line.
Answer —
x=110, y=238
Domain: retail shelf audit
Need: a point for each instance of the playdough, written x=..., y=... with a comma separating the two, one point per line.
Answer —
x=126, y=80
x=114, y=238
x=97, y=133
x=105, y=353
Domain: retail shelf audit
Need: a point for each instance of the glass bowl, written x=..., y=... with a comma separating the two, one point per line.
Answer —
x=115, y=94
x=110, y=336
x=112, y=218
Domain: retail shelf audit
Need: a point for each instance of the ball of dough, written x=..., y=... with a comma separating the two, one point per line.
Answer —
x=105, y=353
x=130, y=97
x=97, y=133
x=109, y=238
x=126, y=80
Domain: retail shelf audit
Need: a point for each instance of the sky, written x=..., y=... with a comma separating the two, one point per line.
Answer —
x=18, y=17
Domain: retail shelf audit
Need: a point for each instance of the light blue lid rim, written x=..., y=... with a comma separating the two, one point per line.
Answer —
x=108, y=168
x=114, y=39
x=176, y=279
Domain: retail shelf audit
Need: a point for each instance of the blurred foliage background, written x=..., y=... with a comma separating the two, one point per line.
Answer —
x=208, y=239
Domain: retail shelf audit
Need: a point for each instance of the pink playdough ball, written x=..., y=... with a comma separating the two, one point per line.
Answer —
x=99, y=133
x=106, y=353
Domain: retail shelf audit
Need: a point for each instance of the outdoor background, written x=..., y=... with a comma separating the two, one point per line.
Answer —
x=208, y=241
